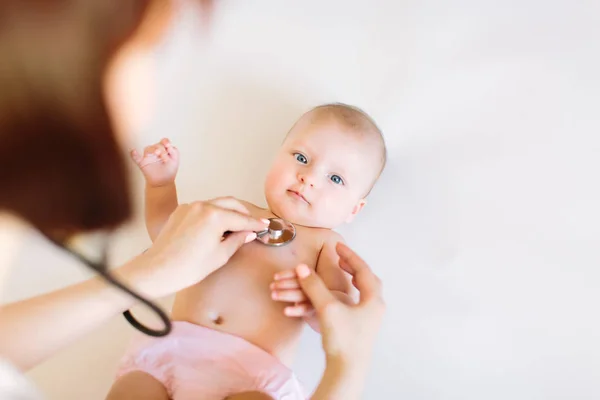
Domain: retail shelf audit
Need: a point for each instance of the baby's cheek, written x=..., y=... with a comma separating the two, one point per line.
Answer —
x=335, y=211
x=276, y=179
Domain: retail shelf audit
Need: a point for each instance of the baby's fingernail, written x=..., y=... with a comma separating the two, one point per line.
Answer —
x=303, y=271
x=250, y=237
x=274, y=295
x=288, y=311
x=265, y=220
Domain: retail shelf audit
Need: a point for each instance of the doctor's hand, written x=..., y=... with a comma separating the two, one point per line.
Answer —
x=348, y=331
x=191, y=245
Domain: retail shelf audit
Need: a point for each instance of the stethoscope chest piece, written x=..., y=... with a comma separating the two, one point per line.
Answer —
x=278, y=233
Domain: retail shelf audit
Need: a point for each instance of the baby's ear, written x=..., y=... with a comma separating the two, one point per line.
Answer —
x=359, y=206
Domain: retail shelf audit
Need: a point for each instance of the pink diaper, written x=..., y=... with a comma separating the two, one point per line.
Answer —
x=195, y=362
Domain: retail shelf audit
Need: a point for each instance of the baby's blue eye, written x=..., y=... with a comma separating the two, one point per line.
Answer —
x=336, y=179
x=301, y=158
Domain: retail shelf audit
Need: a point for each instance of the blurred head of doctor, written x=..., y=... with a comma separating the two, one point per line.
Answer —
x=75, y=79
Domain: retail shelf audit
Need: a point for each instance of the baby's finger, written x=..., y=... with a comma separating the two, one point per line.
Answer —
x=164, y=156
x=157, y=149
x=135, y=156
x=299, y=310
x=173, y=152
x=291, y=295
x=169, y=146
x=286, y=284
x=288, y=274
x=150, y=149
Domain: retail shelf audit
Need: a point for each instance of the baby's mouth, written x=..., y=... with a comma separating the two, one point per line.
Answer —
x=299, y=196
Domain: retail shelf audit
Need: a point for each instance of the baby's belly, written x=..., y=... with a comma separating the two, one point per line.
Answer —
x=237, y=300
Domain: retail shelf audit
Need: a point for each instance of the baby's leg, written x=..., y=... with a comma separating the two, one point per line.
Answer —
x=138, y=385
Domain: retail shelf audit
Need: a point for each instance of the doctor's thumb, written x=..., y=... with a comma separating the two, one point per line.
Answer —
x=314, y=288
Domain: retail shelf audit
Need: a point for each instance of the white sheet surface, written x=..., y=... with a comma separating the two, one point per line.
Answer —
x=485, y=226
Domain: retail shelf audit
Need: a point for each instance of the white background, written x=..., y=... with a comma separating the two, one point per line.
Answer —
x=485, y=226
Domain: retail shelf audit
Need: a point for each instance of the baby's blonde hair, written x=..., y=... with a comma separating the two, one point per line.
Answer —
x=358, y=121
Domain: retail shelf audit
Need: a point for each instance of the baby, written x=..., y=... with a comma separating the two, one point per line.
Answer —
x=237, y=330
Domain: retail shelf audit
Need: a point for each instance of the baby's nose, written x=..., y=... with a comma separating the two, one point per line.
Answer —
x=307, y=179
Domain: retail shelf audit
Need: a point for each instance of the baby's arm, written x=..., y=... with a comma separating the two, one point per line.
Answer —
x=336, y=279
x=161, y=201
x=159, y=164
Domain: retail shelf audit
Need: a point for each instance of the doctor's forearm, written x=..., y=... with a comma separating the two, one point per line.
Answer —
x=33, y=330
x=341, y=381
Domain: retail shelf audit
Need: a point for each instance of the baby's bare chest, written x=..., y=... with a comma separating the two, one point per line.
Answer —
x=250, y=271
x=257, y=259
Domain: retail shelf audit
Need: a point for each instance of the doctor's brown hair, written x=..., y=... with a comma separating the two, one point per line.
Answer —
x=61, y=167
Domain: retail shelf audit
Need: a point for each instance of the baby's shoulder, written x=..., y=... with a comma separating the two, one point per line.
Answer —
x=324, y=237
x=252, y=208
x=332, y=236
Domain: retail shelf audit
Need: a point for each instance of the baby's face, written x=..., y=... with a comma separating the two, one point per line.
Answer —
x=321, y=174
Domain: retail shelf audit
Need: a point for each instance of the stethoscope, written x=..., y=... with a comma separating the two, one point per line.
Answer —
x=278, y=233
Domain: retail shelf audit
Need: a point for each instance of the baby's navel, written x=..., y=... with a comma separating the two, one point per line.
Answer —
x=215, y=318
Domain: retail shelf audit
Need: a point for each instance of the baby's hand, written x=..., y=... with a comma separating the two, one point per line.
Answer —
x=286, y=288
x=159, y=163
